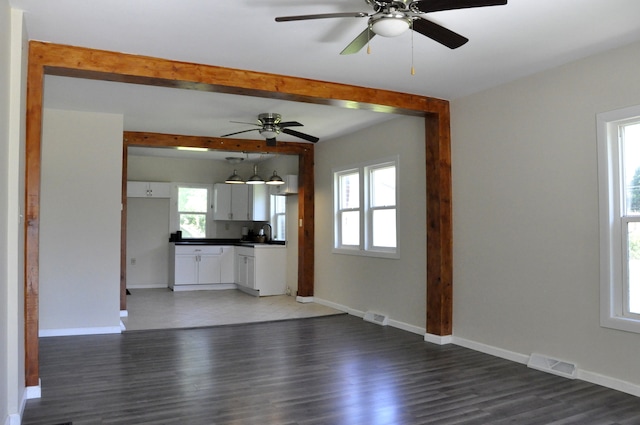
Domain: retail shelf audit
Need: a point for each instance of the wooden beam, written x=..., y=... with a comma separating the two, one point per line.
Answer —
x=53, y=59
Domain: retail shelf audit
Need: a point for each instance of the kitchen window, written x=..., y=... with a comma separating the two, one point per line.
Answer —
x=619, y=191
x=193, y=208
x=279, y=217
x=366, y=209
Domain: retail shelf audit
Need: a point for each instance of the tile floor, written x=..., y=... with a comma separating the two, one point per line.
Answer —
x=164, y=309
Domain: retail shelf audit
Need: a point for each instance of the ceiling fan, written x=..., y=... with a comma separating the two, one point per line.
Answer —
x=271, y=125
x=391, y=18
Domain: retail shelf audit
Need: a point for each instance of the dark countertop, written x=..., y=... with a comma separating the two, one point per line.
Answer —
x=234, y=242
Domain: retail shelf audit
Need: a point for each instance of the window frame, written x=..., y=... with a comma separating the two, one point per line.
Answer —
x=276, y=228
x=365, y=246
x=614, y=257
x=174, y=221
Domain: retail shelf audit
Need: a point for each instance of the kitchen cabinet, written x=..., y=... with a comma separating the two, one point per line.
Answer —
x=289, y=187
x=195, y=265
x=261, y=270
x=239, y=202
x=137, y=189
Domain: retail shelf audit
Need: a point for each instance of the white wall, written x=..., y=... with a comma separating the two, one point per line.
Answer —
x=13, y=61
x=80, y=222
x=5, y=67
x=525, y=214
x=147, y=242
x=396, y=287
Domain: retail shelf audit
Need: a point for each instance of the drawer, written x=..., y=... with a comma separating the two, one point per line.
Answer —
x=198, y=249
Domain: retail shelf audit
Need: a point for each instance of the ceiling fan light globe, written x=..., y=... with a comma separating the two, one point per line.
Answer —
x=268, y=133
x=390, y=25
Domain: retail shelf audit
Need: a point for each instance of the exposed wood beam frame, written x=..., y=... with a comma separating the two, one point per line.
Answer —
x=53, y=59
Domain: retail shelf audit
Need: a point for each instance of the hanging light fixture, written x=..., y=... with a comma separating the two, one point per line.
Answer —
x=275, y=179
x=234, y=178
x=255, y=179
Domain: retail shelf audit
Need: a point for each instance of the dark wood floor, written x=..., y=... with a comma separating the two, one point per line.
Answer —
x=331, y=370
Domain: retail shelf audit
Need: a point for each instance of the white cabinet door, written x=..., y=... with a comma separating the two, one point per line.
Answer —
x=159, y=190
x=227, y=265
x=231, y=202
x=222, y=201
x=148, y=189
x=186, y=270
x=240, y=202
x=251, y=272
x=208, y=269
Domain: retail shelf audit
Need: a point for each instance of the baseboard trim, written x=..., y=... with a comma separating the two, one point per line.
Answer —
x=149, y=286
x=583, y=375
x=488, y=349
x=393, y=323
x=34, y=391
x=13, y=419
x=124, y=313
x=437, y=339
x=79, y=331
x=609, y=382
x=305, y=300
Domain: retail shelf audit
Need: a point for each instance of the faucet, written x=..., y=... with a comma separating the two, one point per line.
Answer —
x=270, y=232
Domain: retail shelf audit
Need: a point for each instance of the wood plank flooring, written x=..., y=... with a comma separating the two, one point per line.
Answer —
x=319, y=371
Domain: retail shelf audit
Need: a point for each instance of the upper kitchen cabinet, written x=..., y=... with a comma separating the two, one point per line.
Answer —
x=289, y=187
x=239, y=202
x=148, y=189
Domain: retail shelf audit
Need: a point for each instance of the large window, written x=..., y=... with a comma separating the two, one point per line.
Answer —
x=279, y=217
x=619, y=184
x=193, y=207
x=366, y=209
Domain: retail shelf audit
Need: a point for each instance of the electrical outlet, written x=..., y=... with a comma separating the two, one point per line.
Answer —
x=133, y=261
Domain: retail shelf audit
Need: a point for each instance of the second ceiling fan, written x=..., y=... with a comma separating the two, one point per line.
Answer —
x=391, y=18
x=270, y=125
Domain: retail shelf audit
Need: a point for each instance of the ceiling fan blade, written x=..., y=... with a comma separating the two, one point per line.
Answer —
x=238, y=132
x=248, y=123
x=359, y=42
x=290, y=124
x=322, y=16
x=271, y=141
x=439, y=33
x=300, y=135
x=426, y=6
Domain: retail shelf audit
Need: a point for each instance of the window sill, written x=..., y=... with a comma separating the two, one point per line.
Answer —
x=620, y=323
x=363, y=253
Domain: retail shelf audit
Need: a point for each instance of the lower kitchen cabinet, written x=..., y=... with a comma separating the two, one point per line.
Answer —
x=196, y=265
x=261, y=270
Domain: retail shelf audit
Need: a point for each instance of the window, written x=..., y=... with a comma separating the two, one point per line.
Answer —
x=619, y=185
x=193, y=210
x=278, y=217
x=366, y=204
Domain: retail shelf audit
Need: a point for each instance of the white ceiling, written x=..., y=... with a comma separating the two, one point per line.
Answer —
x=506, y=43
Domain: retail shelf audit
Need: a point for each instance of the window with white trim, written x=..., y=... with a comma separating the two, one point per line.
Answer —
x=279, y=217
x=619, y=188
x=193, y=208
x=366, y=209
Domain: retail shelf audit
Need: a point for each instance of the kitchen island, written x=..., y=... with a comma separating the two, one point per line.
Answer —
x=256, y=268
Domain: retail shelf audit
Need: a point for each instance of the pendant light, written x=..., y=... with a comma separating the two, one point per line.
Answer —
x=275, y=179
x=234, y=178
x=255, y=179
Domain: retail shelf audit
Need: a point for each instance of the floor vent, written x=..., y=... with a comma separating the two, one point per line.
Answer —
x=378, y=318
x=557, y=367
